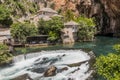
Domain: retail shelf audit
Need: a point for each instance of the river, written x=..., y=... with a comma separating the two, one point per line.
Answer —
x=101, y=45
x=59, y=58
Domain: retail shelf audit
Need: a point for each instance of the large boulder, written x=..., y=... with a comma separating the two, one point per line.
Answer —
x=38, y=70
x=50, y=72
x=23, y=77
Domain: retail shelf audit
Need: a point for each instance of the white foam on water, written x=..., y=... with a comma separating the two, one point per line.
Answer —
x=70, y=56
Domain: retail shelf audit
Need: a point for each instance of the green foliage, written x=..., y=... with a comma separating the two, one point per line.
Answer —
x=52, y=36
x=3, y=47
x=69, y=15
x=117, y=48
x=5, y=56
x=59, y=11
x=24, y=50
x=51, y=27
x=108, y=66
x=19, y=8
x=86, y=29
x=52, y=6
x=5, y=16
x=43, y=27
x=20, y=31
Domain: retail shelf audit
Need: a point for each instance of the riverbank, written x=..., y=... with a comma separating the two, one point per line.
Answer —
x=101, y=45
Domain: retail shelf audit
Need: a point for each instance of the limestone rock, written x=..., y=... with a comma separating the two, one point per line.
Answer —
x=50, y=72
x=23, y=77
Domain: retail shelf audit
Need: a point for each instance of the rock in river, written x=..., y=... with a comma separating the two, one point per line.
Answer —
x=50, y=72
x=23, y=77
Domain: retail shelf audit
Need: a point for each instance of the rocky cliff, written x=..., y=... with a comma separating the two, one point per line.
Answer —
x=105, y=12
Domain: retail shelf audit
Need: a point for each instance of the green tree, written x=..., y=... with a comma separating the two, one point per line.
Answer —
x=5, y=56
x=109, y=66
x=42, y=27
x=5, y=18
x=69, y=15
x=52, y=27
x=117, y=48
x=52, y=36
x=52, y=5
x=87, y=28
x=20, y=31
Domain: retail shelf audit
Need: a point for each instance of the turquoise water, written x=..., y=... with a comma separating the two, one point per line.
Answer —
x=101, y=45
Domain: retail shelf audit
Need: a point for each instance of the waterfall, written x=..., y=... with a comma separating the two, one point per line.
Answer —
x=32, y=55
x=23, y=57
x=36, y=64
x=18, y=58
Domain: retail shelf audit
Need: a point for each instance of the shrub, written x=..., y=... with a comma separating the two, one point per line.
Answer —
x=20, y=31
x=5, y=56
x=69, y=15
x=108, y=66
x=3, y=47
x=86, y=29
x=5, y=18
x=52, y=28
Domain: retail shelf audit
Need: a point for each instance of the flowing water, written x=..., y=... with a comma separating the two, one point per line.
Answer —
x=101, y=45
x=35, y=64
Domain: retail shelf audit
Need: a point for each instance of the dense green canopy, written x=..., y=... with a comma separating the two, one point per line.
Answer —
x=52, y=28
x=20, y=31
x=109, y=66
x=5, y=18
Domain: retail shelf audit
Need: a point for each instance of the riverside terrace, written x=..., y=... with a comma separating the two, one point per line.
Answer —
x=37, y=39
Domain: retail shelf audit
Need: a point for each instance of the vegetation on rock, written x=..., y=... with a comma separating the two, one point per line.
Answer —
x=19, y=8
x=69, y=15
x=5, y=18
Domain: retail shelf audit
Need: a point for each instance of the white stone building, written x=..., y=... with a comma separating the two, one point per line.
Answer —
x=69, y=32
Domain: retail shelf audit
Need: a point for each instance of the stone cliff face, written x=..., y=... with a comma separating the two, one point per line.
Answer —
x=106, y=12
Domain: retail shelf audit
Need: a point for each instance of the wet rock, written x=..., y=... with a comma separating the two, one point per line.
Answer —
x=23, y=77
x=63, y=69
x=75, y=70
x=39, y=70
x=63, y=55
x=45, y=59
x=76, y=64
x=53, y=60
x=38, y=59
x=70, y=79
x=50, y=72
